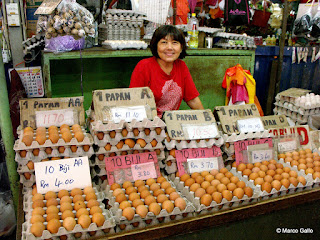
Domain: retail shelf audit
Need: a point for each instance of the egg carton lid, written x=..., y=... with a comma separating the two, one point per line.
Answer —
x=19, y=145
x=183, y=144
x=125, y=147
x=244, y=136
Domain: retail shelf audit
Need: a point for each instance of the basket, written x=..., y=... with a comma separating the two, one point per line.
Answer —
x=260, y=18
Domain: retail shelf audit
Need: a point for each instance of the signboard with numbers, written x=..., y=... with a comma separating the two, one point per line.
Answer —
x=228, y=116
x=29, y=107
x=198, y=159
x=119, y=168
x=128, y=113
x=108, y=102
x=191, y=124
x=54, y=117
x=249, y=125
x=62, y=174
x=260, y=152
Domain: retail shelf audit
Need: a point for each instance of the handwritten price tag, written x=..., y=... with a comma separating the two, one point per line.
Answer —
x=54, y=117
x=202, y=164
x=262, y=155
x=128, y=113
x=287, y=146
x=250, y=125
x=200, y=131
x=62, y=174
x=143, y=171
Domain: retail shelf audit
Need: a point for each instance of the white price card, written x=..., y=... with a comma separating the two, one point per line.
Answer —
x=250, y=125
x=200, y=131
x=262, y=155
x=143, y=171
x=202, y=164
x=54, y=117
x=62, y=174
x=287, y=146
x=128, y=113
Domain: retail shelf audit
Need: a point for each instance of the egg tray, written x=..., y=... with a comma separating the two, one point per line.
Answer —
x=55, y=153
x=173, y=167
x=24, y=169
x=114, y=141
x=214, y=207
x=293, y=101
x=300, y=110
x=100, y=184
x=300, y=119
x=102, y=150
x=246, y=136
x=28, y=182
x=97, y=162
x=183, y=144
x=97, y=171
x=19, y=145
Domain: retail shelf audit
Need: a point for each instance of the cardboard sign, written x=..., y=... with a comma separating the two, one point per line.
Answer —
x=183, y=124
x=105, y=100
x=120, y=166
x=294, y=92
x=29, y=107
x=228, y=116
x=274, y=121
x=241, y=146
x=54, y=117
x=47, y=7
x=202, y=164
x=182, y=157
x=62, y=174
x=249, y=125
x=315, y=139
x=143, y=171
x=287, y=146
x=302, y=130
x=128, y=113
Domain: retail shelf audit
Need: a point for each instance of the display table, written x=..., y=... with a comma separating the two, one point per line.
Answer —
x=105, y=69
x=238, y=215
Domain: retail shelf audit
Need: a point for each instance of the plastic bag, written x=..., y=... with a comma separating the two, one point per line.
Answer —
x=302, y=25
x=315, y=24
x=63, y=44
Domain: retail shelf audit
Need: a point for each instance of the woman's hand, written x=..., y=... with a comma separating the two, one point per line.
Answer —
x=195, y=103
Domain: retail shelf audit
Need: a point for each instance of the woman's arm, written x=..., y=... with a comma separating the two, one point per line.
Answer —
x=195, y=103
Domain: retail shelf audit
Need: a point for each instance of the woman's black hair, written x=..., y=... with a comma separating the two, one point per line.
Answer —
x=174, y=33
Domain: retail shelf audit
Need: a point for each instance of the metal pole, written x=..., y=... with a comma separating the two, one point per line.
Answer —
x=7, y=134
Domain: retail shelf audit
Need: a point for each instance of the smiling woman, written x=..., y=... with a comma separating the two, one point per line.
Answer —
x=165, y=73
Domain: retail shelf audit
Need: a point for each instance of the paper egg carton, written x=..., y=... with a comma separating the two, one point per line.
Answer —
x=28, y=182
x=102, y=150
x=183, y=144
x=297, y=109
x=214, y=207
x=98, y=171
x=297, y=117
x=173, y=167
x=100, y=184
x=19, y=145
x=308, y=101
x=246, y=136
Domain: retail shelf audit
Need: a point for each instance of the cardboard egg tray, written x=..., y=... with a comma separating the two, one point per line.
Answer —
x=293, y=108
x=293, y=101
x=100, y=184
x=263, y=195
x=193, y=143
x=97, y=171
x=55, y=153
x=19, y=145
x=297, y=117
x=173, y=167
x=246, y=136
x=28, y=182
x=214, y=207
x=102, y=150
x=150, y=218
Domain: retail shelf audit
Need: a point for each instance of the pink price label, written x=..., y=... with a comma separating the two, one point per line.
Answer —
x=241, y=146
x=122, y=164
x=192, y=153
x=143, y=171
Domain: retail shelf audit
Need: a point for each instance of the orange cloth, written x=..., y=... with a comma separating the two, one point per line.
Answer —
x=182, y=11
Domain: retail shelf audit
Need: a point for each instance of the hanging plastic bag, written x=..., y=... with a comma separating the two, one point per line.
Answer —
x=302, y=25
x=315, y=24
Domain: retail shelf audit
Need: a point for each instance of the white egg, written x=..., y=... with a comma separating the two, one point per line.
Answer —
x=303, y=97
x=290, y=106
x=297, y=101
x=286, y=104
x=308, y=104
x=312, y=94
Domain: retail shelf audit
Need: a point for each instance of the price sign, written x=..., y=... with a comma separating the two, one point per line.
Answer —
x=202, y=164
x=287, y=146
x=62, y=174
x=250, y=125
x=128, y=113
x=143, y=171
x=54, y=117
x=261, y=155
x=200, y=131
x=182, y=157
x=119, y=167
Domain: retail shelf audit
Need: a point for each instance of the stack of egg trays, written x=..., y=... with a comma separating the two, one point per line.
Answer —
x=263, y=195
x=201, y=209
x=150, y=219
x=106, y=228
x=185, y=144
x=96, y=127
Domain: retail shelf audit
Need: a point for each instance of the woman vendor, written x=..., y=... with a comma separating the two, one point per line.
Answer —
x=165, y=73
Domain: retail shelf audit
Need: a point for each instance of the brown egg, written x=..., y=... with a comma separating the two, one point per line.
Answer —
x=141, y=142
x=52, y=216
x=172, y=152
x=107, y=147
x=206, y=199
x=142, y=210
x=316, y=175
x=161, y=198
x=257, y=164
x=199, y=179
x=166, y=184
x=231, y=186
x=91, y=195
x=169, y=190
x=279, y=171
x=215, y=182
x=136, y=132
x=79, y=136
x=52, y=201
x=69, y=213
x=214, y=172
x=194, y=187
x=262, y=174
x=98, y=219
x=221, y=187
x=63, y=193
x=23, y=153
x=160, y=179
x=302, y=180
x=239, y=193
x=168, y=206
x=123, y=205
x=134, y=196
x=37, y=229
x=253, y=176
x=246, y=172
x=217, y=197
x=121, y=197
x=65, y=206
x=277, y=177
x=149, y=199
x=293, y=174
x=76, y=191
x=180, y=203
x=276, y=184
x=84, y=221
x=27, y=140
x=158, y=192
x=227, y=195
x=154, y=186
x=255, y=169
x=37, y=203
x=37, y=218
x=173, y=196
x=66, y=136
x=130, y=190
x=37, y=196
x=248, y=191
x=154, y=208
x=69, y=223
x=76, y=127
x=189, y=182
x=150, y=181
x=38, y=211
x=86, y=148
x=241, y=167
x=137, y=202
x=53, y=225
x=36, y=152
x=117, y=191
x=293, y=181
x=285, y=182
x=65, y=199
x=142, y=188
x=210, y=189
x=128, y=213
x=258, y=181
x=96, y=209
x=52, y=209
x=199, y=192
x=225, y=180
x=154, y=143
x=271, y=172
x=78, y=205
x=266, y=186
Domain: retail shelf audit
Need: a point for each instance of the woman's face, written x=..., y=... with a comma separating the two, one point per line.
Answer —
x=169, y=49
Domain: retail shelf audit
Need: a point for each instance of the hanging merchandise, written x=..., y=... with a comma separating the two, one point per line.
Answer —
x=236, y=12
x=302, y=25
x=276, y=17
x=182, y=7
x=192, y=4
x=315, y=24
x=261, y=14
x=215, y=10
